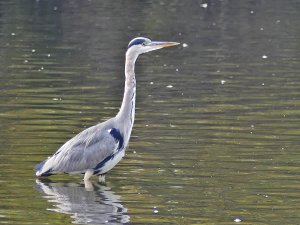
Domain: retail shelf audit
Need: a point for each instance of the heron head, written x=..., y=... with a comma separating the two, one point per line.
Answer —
x=142, y=45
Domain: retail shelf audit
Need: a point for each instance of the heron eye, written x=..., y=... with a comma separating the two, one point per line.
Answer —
x=144, y=44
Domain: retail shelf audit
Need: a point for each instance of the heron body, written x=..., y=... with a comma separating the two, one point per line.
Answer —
x=99, y=148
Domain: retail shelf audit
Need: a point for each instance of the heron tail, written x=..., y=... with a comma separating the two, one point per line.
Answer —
x=39, y=169
x=40, y=165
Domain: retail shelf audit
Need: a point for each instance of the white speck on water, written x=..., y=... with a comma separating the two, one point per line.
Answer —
x=179, y=34
x=42, y=68
x=237, y=220
x=185, y=45
x=134, y=152
x=204, y=5
x=32, y=50
x=56, y=99
x=165, y=65
x=261, y=28
x=55, y=8
x=13, y=34
x=25, y=61
x=218, y=71
x=264, y=56
x=252, y=126
x=169, y=86
x=151, y=82
x=277, y=21
x=251, y=11
x=176, y=187
x=223, y=82
x=262, y=84
x=155, y=211
x=263, y=195
x=147, y=125
x=177, y=70
x=48, y=55
x=154, y=207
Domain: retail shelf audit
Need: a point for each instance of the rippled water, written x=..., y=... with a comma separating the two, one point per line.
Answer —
x=216, y=138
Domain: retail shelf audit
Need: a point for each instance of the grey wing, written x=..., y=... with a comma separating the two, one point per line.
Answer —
x=84, y=151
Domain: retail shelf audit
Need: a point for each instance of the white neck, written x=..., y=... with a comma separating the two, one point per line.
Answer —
x=127, y=111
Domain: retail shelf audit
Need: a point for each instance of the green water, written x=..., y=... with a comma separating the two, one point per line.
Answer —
x=216, y=137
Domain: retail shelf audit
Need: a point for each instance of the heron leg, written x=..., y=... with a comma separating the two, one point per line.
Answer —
x=88, y=175
x=102, y=178
x=88, y=185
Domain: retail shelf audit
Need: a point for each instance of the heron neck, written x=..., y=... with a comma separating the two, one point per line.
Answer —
x=127, y=110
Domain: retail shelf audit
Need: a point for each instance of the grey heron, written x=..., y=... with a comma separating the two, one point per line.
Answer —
x=97, y=149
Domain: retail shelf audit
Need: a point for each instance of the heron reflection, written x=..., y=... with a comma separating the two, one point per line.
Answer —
x=97, y=205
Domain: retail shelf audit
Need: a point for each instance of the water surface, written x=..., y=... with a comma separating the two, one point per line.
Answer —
x=216, y=138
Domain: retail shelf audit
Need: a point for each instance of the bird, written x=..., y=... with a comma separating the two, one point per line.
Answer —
x=97, y=149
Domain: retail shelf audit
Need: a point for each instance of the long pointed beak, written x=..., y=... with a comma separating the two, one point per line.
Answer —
x=163, y=44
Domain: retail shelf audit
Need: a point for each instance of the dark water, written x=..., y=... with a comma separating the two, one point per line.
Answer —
x=216, y=138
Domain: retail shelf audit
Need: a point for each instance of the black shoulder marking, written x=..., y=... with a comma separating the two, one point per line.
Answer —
x=136, y=41
x=117, y=136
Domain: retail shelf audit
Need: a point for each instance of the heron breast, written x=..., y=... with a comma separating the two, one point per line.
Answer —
x=109, y=162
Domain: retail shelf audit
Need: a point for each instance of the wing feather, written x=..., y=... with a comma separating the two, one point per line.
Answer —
x=84, y=151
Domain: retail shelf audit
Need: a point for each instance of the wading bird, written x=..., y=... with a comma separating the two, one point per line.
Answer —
x=99, y=148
